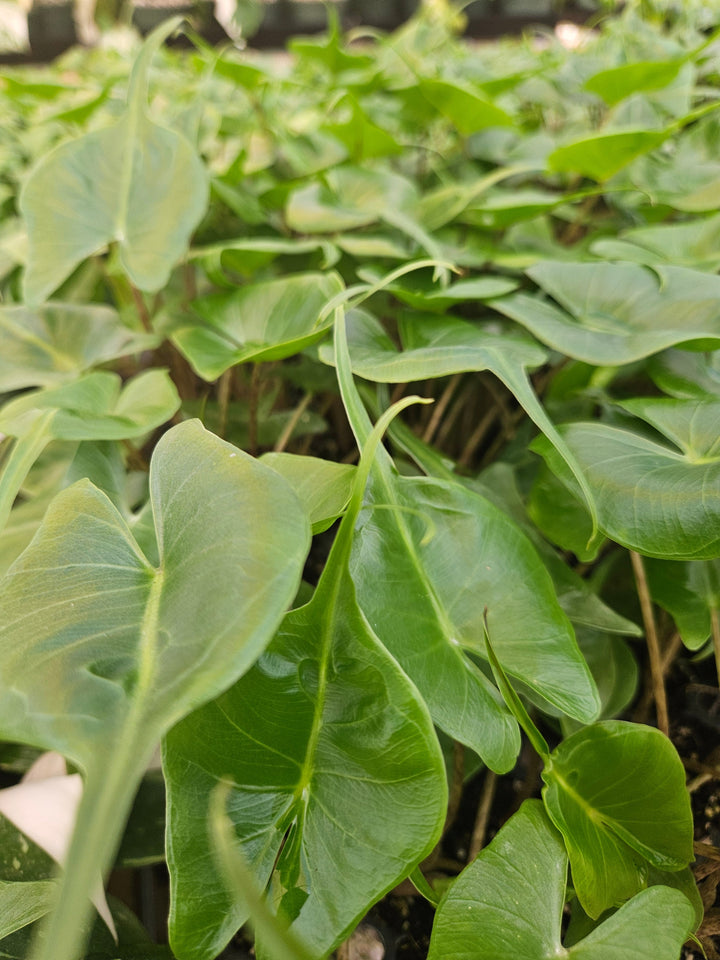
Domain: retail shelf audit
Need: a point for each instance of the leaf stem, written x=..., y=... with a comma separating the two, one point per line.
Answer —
x=477, y=841
x=653, y=644
x=715, y=626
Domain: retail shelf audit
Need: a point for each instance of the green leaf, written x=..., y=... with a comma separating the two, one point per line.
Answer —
x=136, y=184
x=602, y=155
x=436, y=346
x=23, y=903
x=694, y=244
x=94, y=407
x=615, y=313
x=650, y=498
x=57, y=342
x=462, y=105
x=616, y=791
x=322, y=486
x=691, y=425
x=508, y=903
x=689, y=592
x=642, y=76
x=262, y=321
x=338, y=782
x=148, y=644
x=418, y=292
x=349, y=197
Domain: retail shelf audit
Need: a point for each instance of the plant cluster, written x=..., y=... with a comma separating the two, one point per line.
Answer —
x=225, y=275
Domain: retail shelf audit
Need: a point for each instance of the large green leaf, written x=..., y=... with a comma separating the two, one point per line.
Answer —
x=616, y=791
x=508, y=903
x=262, y=321
x=429, y=557
x=650, y=498
x=136, y=184
x=337, y=780
x=615, y=313
x=434, y=346
x=102, y=652
x=59, y=341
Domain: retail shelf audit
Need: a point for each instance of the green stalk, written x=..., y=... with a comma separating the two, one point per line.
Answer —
x=104, y=808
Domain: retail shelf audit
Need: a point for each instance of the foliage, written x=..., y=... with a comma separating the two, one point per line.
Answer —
x=213, y=267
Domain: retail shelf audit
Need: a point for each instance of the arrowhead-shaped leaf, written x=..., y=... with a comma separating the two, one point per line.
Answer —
x=650, y=498
x=136, y=184
x=338, y=782
x=263, y=321
x=435, y=346
x=616, y=791
x=101, y=651
x=508, y=903
x=615, y=313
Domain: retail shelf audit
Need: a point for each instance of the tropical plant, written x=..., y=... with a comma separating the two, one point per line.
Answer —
x=231, y=287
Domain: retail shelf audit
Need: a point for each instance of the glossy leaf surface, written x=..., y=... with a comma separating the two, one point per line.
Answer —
x=650, y=497
x=264, y=321
x=616, y=791
x=336, y=774
x=509, y=903
x=138, y=632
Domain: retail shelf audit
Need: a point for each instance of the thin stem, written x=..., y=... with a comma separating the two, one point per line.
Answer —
x=141, y=308
x=253, y=401
x=456, y=784
x=440, y=407
x=476, y=437
x=653, y=644
x=224, y=390
x=294, y=420
x=479, y=833
x=715, y=627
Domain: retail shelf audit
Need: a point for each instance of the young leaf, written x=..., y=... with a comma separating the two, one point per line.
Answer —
x=436, y=346
x=102, y=652
x=40, y=348
x=322, y=486
x=136, y=184
x=338, y=782
x=650, y=498
x=617, y=312
x=616, y=791
x=94, y=407
x=262, y=321
x=508, y=903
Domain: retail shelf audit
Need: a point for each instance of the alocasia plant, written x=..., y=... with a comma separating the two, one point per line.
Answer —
x=529, y=238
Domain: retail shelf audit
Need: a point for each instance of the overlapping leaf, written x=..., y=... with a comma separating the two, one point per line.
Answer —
x=262, y=321
x=650, y=497
x=337, y=780
x=55, y=343
x=616, y=791
x=103, y=651
x=615, y=313
x=509, y=903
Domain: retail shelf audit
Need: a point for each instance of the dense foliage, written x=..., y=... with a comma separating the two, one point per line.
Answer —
x=197, y=260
